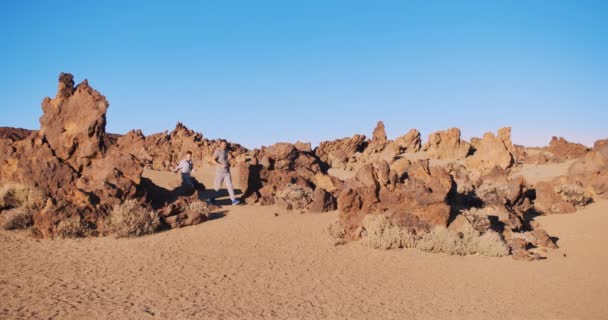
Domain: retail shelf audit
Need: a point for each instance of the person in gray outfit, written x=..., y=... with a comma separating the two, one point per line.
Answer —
x=222, y=172
x=185, y=167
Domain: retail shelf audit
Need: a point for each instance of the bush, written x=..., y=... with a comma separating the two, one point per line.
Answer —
x=380, y=233
x=336, y=230
x=198, y=206
x=478, y=219
x=19, y=219
x=471, y=241
x=573, y=193
x=21, y=196
x=29, y=199
x=72, y=227
x=130, y=219
x=294, y=197
x=492, y=194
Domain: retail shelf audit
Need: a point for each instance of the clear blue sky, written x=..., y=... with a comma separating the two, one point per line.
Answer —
x=258, y=72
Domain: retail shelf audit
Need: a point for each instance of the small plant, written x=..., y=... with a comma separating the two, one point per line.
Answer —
x=469, y=242
x=73, y=227
x=28, y=199
x=478, y=219
x=294, y=197
x=130, y=219
x=198, y=206
x=336, y=230
x=380, y=233
x=492, y=194
x=573, y=193
x=18, y=220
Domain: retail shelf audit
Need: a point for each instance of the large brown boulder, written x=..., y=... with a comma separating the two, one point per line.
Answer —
x=74, y=122
x=447, y=145
x=591, y=170
x=563, y=149
x=492, y=151
x=272, y=168
x=409, y=142
x=342, y=148
x=417, y=203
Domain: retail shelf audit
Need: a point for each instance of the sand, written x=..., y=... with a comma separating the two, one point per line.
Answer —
x=253, y=262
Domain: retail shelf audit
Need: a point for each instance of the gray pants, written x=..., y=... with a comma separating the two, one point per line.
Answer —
x=224, y=175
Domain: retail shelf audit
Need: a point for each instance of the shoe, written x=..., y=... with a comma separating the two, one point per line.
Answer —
x=235, y=202
x=212, y=201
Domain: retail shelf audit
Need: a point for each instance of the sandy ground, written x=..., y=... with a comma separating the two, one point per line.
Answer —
x=258, y=262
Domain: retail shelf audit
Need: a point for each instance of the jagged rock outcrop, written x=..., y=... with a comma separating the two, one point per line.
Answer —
x=14, y=134
x=162, y=151
x=270, y=169
x=418, y=202
x=337, y=152
x=379, y=134
x=447, y=145
x=563, y=149
x=591, y=171
x=409, y=142
x=80, y=169
x=73, y=123
x=493, y=151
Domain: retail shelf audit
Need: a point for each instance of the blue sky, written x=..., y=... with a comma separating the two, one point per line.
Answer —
x=257, y=72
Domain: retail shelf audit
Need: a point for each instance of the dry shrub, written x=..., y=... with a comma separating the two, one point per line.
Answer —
x=198, y=206
x=294, y=197
x=130, y=219
x=29, y=199
x=573, y=193
x=336, y=230
x=19, y=195
x=478, y=219
x=18, y=220
x=380, y=233
x=469, y=242
x=492, y=194
x=72, y=227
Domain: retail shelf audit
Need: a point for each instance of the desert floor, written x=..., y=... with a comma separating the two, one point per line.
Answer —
x=259, y=262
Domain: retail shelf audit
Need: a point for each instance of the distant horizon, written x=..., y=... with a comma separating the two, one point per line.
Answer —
x=269, y=71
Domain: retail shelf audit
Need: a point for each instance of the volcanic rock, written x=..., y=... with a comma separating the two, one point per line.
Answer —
x=447, y=145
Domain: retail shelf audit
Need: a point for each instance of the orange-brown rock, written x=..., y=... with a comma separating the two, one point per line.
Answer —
x=14, y=134
x=379, y=134
x=342, y=148
x=73, y=123
x=563, y=149
x=419, y=202
x=409, y=142
x=492, y=151
x=447, y=145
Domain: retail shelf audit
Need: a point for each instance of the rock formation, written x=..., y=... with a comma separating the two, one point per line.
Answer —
x=493, y=151
x=447, y=145
x=563, y=149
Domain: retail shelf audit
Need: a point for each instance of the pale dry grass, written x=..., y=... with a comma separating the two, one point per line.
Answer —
x=573, y=193
x=130, y=219
x=294, y=197
x=73, y=227
x=380, y=233
x=198, y=206
x=29, y=199
x=470, y=242
x=492, y=194
x=336, y=230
